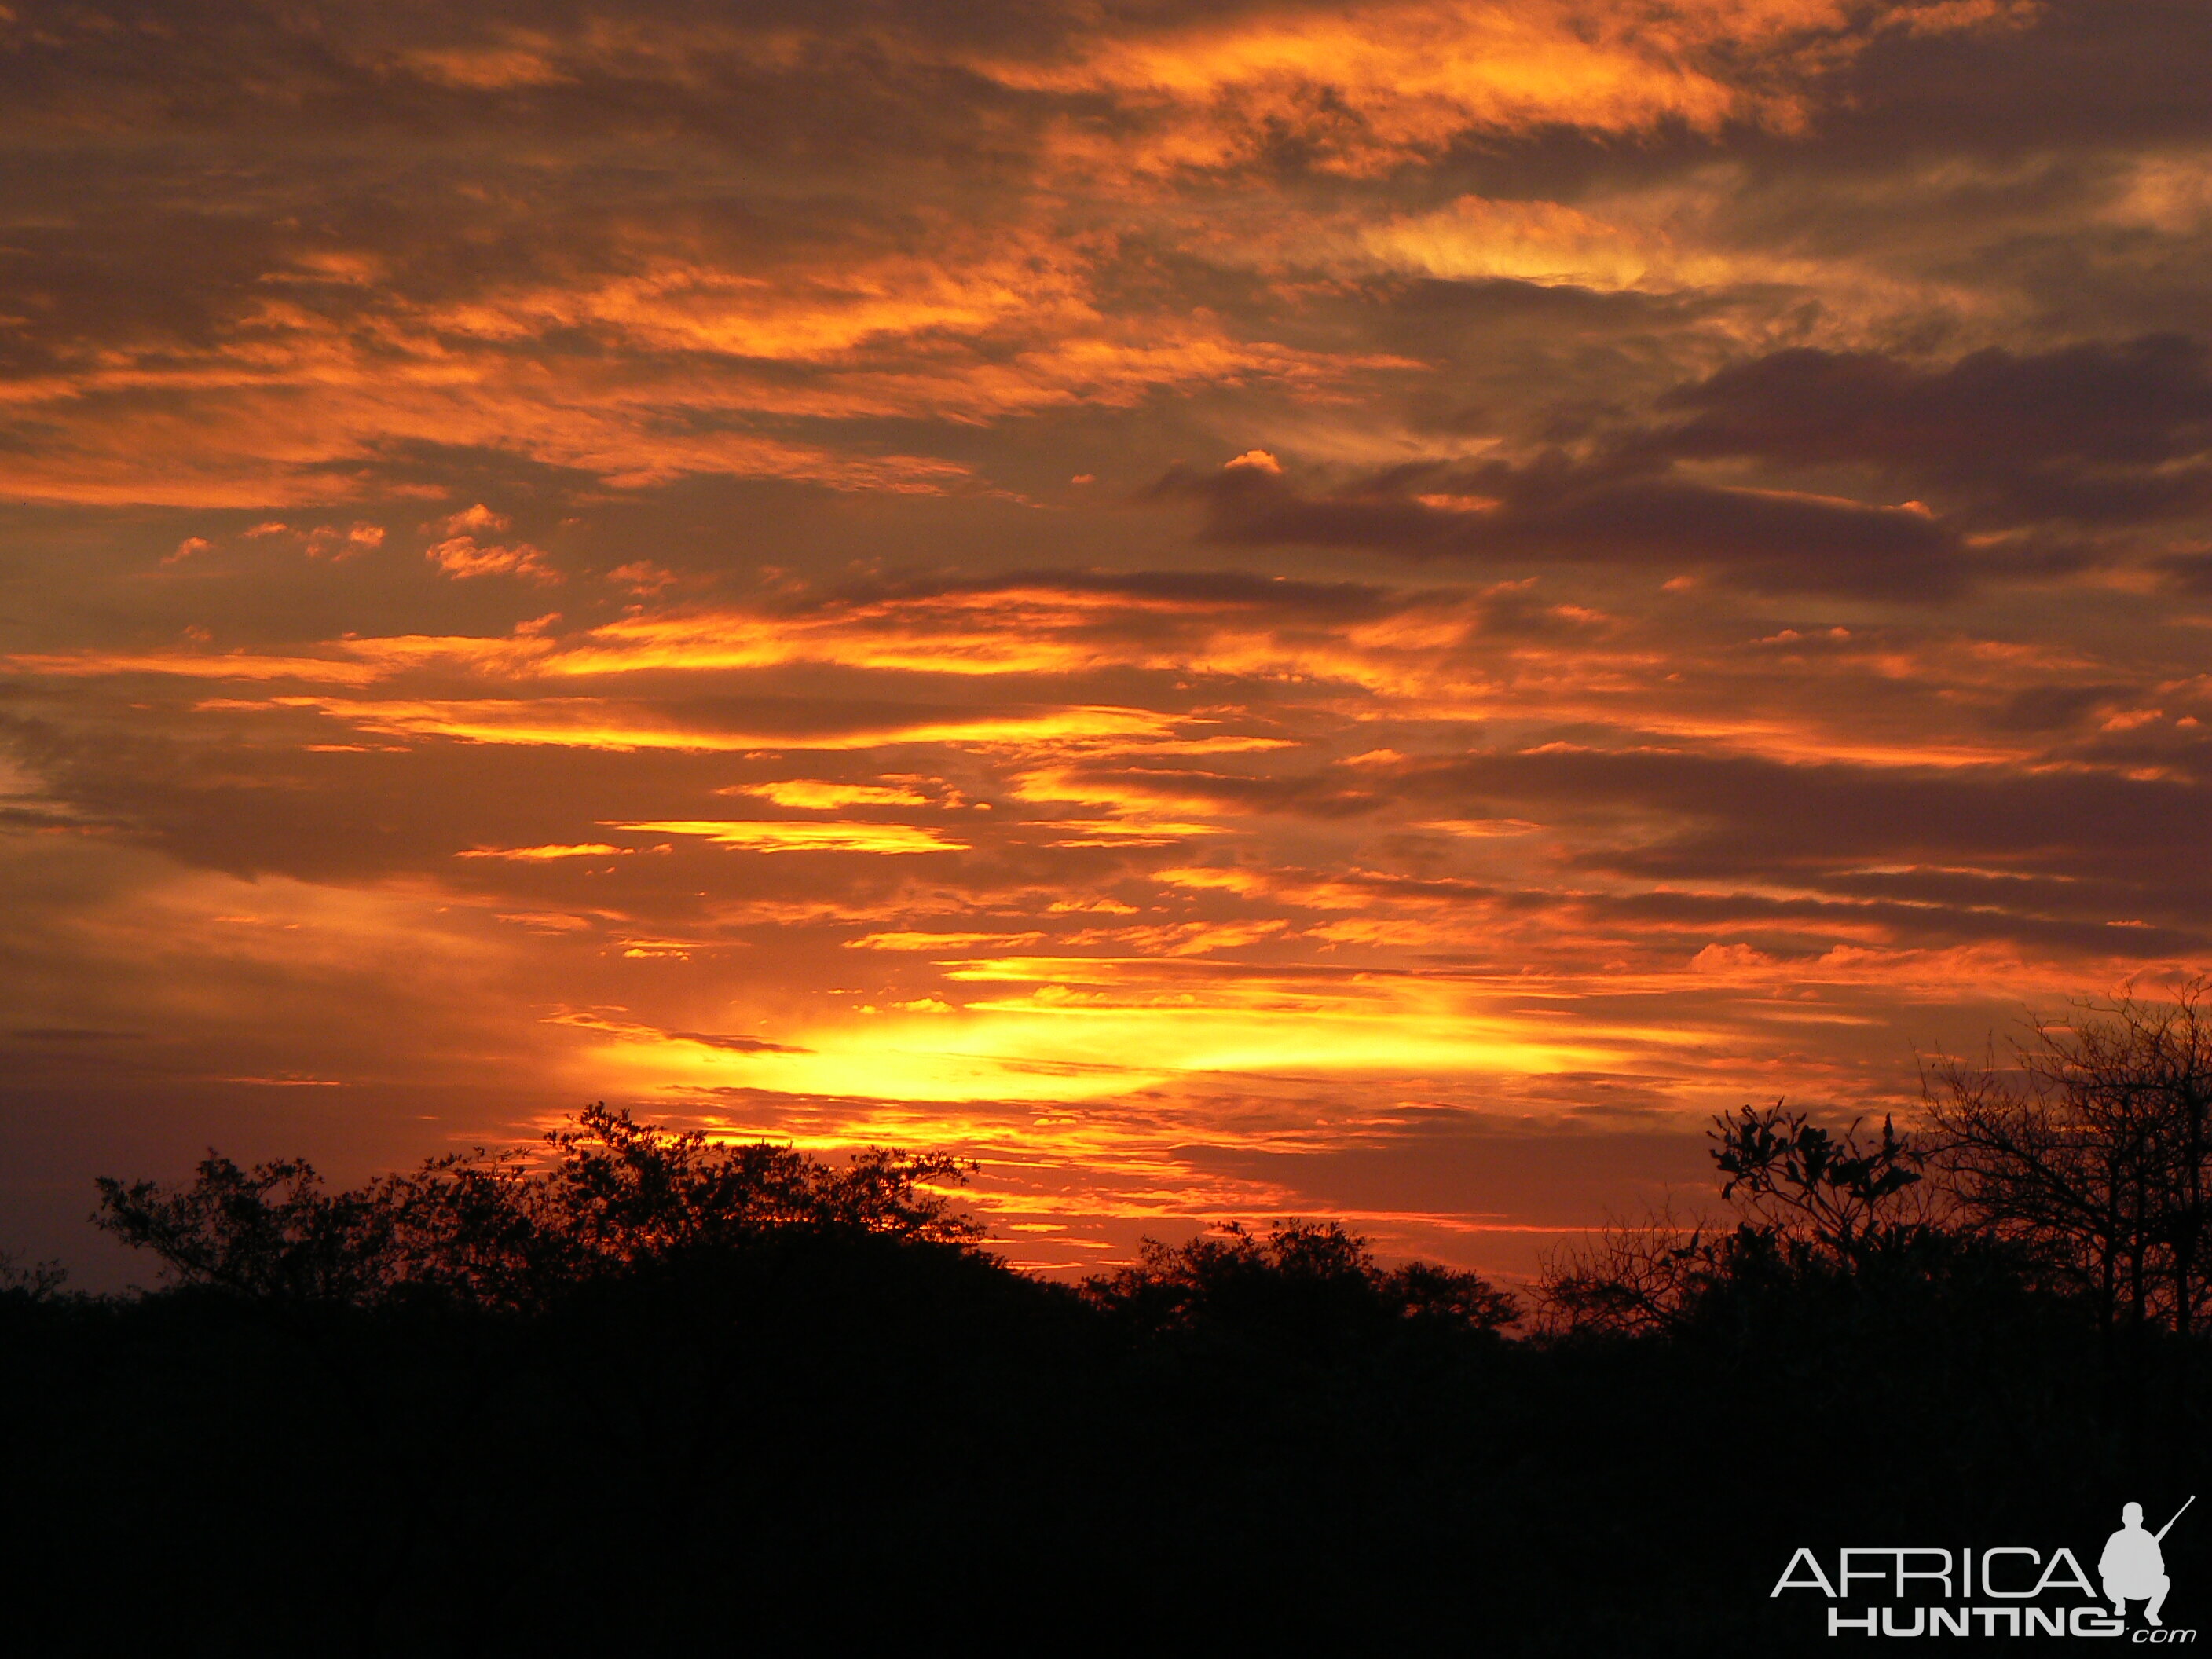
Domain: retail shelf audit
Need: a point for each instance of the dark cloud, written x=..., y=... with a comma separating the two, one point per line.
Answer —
x=1806, y=929
x=2063, y=73
x=2190, y=571
x=2094, y=432
x=1555, y=510
x=1209, y=592
x=636, y=71
x=740, y=1045
x=1931, y=856
x=2051, y=708
x=1710, y=814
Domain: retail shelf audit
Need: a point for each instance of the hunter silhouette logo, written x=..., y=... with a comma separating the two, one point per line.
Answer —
x=2133, y=1567
x=2001, y=1590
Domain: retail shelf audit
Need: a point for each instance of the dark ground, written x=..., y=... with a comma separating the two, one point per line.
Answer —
x=830, y=1440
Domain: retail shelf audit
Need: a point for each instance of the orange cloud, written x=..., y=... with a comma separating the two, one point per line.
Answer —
x=1404, y=81
x=814, y=792
x=807, y=835
x=601, y=723
x=584, y=849
x=461, y=556
x=193, y=666
x=912, y=941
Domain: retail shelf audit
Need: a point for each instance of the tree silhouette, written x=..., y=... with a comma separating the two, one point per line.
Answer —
x=1835, y=1191
x=37, y=1281
x=503, y=1229
x=1307, y=1286
x=2093, y=1149
x=1809, y=1203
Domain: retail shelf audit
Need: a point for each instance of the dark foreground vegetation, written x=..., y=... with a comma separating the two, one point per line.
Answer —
x=638, y=1394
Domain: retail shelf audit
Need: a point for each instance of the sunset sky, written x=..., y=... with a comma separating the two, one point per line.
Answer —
x=1230, y=607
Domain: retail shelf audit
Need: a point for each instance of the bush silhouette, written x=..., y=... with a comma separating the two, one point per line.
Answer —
x=500, y=1229
x=1306, y=1287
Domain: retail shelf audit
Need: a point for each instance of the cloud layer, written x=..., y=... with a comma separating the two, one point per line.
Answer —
x=1235, y=608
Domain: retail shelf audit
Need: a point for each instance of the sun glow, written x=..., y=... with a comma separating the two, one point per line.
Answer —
x=1044, y=1046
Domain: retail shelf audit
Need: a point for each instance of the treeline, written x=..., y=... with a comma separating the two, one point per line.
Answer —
x=2078, y=1173
x=634, y=1392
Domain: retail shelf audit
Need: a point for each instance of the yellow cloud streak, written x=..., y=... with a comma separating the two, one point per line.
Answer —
x=595, y=723
x=914, y=941
x=587, y=849
x=808, y=837
x=815, y=794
